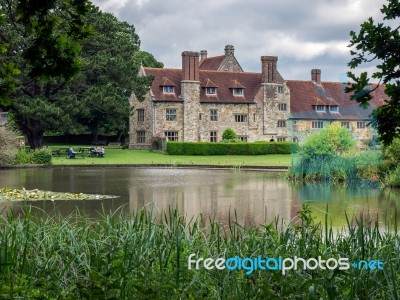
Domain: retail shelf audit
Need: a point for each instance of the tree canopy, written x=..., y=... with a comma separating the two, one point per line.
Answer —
x=83, y=83
x=40, y=46
x=380, y=42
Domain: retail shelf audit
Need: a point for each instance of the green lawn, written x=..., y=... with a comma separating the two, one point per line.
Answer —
x=119, y=156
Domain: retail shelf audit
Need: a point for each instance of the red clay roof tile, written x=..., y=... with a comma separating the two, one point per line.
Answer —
x=220, y=79
x=212, y=63
x=304, y=95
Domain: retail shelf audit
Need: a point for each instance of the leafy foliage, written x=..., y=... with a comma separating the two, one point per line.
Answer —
x=8, y=145
x=379, y=42
x=40, y=48
x=36, y=157
x=208, y=148
x=229, y=134
x=103, y=87
x=390, y=168
x=325, y=155
x=68, y=77
x=147, y=59
x=143, y=257
x=330, y=141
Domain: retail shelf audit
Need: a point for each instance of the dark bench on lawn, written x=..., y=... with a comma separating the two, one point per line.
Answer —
x=116, y=145
x=56, y=152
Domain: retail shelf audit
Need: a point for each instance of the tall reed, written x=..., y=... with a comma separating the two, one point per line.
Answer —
x=146, y=257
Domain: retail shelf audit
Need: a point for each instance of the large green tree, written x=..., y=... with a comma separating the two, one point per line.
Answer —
x=39, y=53
x=111, y=61
x=95, y=97
x=105, y=83
x=380, y=42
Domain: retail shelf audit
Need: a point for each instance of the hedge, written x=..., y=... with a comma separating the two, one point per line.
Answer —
x=208, y=148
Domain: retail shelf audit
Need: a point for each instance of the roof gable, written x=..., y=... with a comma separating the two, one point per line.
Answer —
x=212, y=63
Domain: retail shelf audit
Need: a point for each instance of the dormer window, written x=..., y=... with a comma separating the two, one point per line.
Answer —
x=211, y=90
x=238, y=91
x=334, y=108
x=320, y=108
x=168, y=89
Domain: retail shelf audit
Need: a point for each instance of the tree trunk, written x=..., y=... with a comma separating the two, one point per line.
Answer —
x=34, y=133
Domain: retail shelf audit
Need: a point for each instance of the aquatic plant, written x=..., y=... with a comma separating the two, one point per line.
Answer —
x=145, y=256
x=7, y=194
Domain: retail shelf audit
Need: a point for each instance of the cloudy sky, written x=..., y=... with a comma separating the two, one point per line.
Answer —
x=303, y=34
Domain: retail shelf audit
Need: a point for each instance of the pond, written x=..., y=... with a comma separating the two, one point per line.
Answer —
x=254, y=196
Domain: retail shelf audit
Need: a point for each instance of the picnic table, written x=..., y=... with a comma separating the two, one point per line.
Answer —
x=56, y=152
x=74, y=154
x=96, y=152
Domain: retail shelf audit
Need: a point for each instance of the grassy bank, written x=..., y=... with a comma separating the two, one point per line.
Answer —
x=139, y=258
x=128, y=157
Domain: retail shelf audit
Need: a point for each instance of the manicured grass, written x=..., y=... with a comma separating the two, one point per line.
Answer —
x=128, y=157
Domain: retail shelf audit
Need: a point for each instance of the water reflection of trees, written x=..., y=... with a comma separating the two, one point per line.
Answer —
x=389, y=201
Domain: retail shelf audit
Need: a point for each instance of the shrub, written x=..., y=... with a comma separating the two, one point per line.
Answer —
x=391, y=153
x=326, y=156
x=392, y=178
x=8, y=145
x=331, y=141
x=37, y=157
x=240, y=148
x=157, y=142
x=229, y=135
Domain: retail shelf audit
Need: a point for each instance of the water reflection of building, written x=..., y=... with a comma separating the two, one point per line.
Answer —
x=249, y=198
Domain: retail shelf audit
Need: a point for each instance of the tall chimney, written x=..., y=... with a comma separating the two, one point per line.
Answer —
x=203, y=54
x=268, y=69
x=316, y=75
x=229, y=50
x=190, y=66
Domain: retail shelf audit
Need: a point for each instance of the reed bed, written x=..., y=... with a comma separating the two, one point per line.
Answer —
x=335, y=168
x=144, y=257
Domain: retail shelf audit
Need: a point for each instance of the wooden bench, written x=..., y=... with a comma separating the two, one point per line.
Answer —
x=56, y=152
x=114, y=145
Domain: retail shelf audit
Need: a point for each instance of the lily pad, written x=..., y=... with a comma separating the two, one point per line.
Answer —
x=7, y=194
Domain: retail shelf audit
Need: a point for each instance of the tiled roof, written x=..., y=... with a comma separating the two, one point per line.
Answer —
x=173, y=75
x=221, y=79
x=167, y=82
x=236, y=85
x=251, y=82
x=212, y=63
x=209, y=83
x=304, y=95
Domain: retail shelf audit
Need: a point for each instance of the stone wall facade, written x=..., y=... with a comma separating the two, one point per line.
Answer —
x=191, y=111
x=146, y=125
x=252, y=121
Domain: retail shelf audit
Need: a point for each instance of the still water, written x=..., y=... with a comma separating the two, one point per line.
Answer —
x=255, y=196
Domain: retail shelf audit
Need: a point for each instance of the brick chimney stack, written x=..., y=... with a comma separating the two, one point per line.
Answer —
x=316, y=76
x=203, y=54
x=269, y=73
x=190, y=66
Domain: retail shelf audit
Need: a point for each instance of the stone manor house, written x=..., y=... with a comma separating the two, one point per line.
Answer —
x=210, y=94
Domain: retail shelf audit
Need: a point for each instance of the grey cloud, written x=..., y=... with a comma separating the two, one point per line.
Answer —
x=303, y=34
